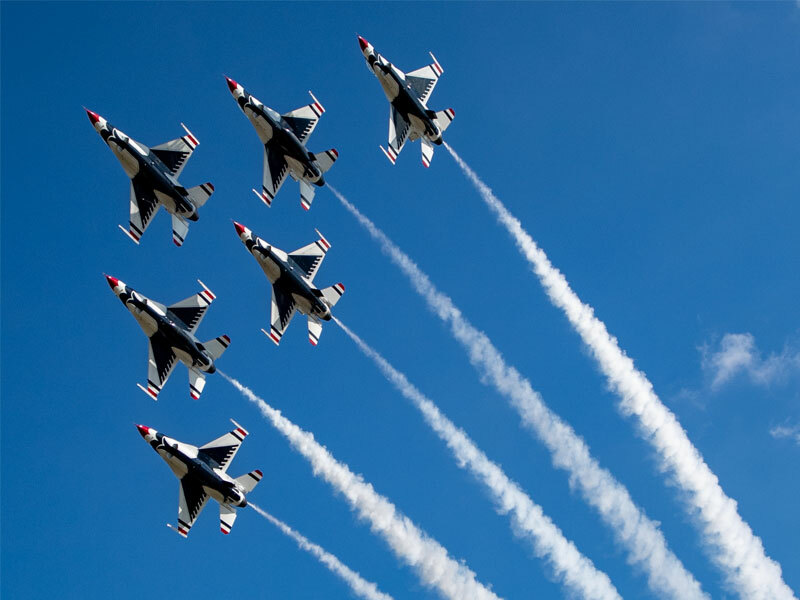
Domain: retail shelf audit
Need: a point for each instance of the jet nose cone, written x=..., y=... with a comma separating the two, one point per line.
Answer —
x=239, y=227
x=143, y=430
x=93, y=116
x=231, y=84
x=363, y=43
x=112, y=281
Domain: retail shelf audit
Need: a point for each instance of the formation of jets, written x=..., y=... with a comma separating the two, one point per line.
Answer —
x=171, y=329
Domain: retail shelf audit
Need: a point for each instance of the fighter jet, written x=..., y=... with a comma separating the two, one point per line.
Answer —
x=408, y=93
x=202, y=472
x=171, y=331
x=284, y=138
x=154, y=176
x=292, y=276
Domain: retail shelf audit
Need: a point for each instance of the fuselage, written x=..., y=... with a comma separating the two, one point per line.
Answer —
x=141, y=163
x=403, y=97
x=282, y=272
x=273, y=129
x=187, y=461
x=165, y=329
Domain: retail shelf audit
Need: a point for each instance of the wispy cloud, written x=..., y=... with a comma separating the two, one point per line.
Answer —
x=360, y=586
x=576, y=571
x=637, y=534
x=737, y=354
x=791, y=432
x=434, y=566
x=732, y=545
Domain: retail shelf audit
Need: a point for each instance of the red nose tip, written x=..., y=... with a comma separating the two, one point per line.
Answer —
x=143, y=430
x=231, y=84
x=363, y=43
x=239, y=227
x=112, y=281
x=93, y=116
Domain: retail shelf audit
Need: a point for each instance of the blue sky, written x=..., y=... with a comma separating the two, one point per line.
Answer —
x=651, y=149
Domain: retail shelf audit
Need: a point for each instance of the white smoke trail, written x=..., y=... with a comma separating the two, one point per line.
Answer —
x=576, y=571
x=429, y=559
x=640, y=536
x=732, y=545
x=359, y=585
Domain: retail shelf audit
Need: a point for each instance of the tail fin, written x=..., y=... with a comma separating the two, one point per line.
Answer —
x=249, y=481
x=200, y=194
x=326, y=159
x=217, y=346
x=333, y=293
x=444, y=118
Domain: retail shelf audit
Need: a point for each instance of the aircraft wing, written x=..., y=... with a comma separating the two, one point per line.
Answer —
x=175, y=153
x=223, y=449
x=144, y=206
x=423, y=80
x=191, y=501
x=275, y=170
x=192, y=310
x=283, y=308
x=398, y=134
x=309, y=258
x=303, y=120
x=160, y=362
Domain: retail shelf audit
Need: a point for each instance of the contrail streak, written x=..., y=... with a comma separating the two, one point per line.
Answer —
x=731, y=543
x=529, y=521
x=640, y=536
x=429, y=559
x=359, y=585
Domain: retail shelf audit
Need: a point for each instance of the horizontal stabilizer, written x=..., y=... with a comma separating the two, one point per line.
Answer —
x=427, y=152
x=217, y=346
x=200, y=194
x=306, y=194
x=227, y=515
x=180, y=229
x=314, y=330
x=197, y=381
x=326, y=159
x=250, y=480
x=333, y=293
x=443, y=118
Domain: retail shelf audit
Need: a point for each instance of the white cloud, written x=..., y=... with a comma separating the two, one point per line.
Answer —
x=731, y=542
x=737, y=354
x=786, y=431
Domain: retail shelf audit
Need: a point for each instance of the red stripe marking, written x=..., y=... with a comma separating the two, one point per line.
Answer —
x=313, y=343
x=275, y=339
x=241, y=431
x=194, y=396
x=194, y=140
x=227, y=339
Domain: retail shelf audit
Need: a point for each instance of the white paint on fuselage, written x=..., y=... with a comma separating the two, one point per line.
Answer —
x=390, y=87
x=129, y=162
x=146, y=321
x=263, y=128
x=183, y=356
